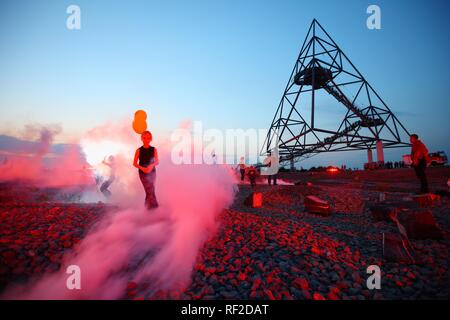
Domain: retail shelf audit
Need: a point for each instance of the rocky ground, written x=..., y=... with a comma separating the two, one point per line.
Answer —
x=278, y=251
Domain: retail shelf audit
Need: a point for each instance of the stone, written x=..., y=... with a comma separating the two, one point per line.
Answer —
x=316, y=205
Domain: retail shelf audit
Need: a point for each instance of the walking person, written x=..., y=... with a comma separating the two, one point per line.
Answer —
x=111, y=176
x=146, y=160
x=419, y=160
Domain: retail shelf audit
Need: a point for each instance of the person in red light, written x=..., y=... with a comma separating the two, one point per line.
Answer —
x=419, y=161
x=251, y=172
x=148, y=160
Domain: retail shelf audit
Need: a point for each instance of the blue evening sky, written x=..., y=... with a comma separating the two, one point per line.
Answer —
x=225, y=63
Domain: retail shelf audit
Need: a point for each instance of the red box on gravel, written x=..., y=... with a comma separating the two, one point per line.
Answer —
x=314, y=204
x=427, y=200
x=254, y=200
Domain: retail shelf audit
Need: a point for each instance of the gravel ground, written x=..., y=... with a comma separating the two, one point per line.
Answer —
x=278, y=251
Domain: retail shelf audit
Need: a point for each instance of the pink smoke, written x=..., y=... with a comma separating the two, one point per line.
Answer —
x=159, y=247
x=39, y=165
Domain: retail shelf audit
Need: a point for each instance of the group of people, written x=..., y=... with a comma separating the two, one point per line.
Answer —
x=394, y=165
x=251, y=171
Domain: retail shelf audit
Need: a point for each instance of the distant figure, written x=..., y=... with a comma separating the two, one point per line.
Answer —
x=214, y=157
x=112, y=175
x=419, y=160
x=251, y=172
x=242, y=168
x=267, y=163
x=148, y=160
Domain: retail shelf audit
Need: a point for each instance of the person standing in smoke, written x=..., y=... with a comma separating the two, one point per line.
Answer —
x=146, y=160
x=112, y=174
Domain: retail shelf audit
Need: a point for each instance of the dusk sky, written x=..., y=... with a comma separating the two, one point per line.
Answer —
x=225, y=63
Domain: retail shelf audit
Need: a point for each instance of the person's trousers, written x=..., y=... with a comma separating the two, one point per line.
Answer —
x=148, y=181
x=420, y=173
x=272, y=177
x=242, y=174
x=104, y=187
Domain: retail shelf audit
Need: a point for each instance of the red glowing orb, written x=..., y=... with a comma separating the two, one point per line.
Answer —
x=332, y=170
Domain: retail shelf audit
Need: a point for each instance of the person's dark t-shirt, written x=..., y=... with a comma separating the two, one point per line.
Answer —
x=146, y=157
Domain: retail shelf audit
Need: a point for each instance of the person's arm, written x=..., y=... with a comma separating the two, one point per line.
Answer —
x=106, y=163
x=136, y=158
x=426, y=154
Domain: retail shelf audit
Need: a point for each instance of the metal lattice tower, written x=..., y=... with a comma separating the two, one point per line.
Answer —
x=324, y=79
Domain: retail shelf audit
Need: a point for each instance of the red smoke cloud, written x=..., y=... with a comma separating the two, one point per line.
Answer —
x=37, y=163
x=132, y=244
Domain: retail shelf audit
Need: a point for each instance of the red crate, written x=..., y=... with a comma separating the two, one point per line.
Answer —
x=314, y=204
x=255, y=200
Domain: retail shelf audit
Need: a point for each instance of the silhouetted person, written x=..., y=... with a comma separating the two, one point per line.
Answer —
x=419, y=160
x=214, y=157
x=251, y=173
x=148, y=160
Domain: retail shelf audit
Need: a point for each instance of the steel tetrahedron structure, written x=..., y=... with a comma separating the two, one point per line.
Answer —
x=325, y=81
